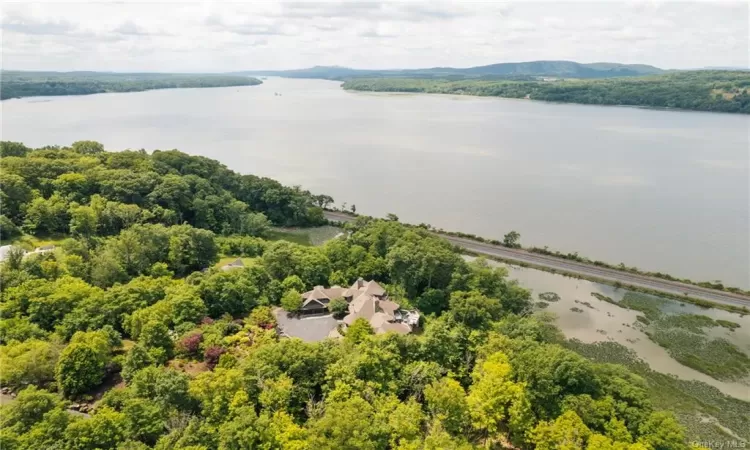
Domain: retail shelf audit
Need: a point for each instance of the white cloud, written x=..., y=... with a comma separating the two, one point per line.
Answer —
x=218, y=36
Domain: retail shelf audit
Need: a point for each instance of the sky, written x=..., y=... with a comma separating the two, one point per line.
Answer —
x=233, y=36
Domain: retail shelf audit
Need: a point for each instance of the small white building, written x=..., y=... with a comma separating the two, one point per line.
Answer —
x=4, y=250
x=44, y=249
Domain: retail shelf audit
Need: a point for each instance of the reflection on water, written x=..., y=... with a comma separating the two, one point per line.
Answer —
x=604, y=321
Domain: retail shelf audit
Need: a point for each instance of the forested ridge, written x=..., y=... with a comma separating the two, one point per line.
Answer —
x=16, y=84
x=528, y=68
x=129, y=303
x=716, y=91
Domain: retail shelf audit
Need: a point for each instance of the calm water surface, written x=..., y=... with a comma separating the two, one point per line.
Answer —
x=660, y=190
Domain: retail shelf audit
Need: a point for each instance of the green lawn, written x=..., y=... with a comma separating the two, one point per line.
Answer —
x=297, y=236
x=227, y=259
x=304, y=236
x=29, y=242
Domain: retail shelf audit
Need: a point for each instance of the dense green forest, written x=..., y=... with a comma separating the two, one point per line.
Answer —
x=718, y=91
x=129, y=310
x=17, y=84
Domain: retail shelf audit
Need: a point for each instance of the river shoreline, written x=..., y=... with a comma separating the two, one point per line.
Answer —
x=731, y=302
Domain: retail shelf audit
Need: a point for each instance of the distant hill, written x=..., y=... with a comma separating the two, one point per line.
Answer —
x=567, y=69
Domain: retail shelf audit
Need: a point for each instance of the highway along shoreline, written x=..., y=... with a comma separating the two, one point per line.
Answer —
x=690, y=293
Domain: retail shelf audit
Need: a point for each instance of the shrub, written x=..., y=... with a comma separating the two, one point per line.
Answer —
x=292, y=301
x=262, y=317
x=138, y=358
x=190, y=344
x=80, y=368
x=30, y=362
x=8, y=229
x=338, y=306
x=212, y=356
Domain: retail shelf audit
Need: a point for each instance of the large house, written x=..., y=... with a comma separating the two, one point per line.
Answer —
x=367, y=300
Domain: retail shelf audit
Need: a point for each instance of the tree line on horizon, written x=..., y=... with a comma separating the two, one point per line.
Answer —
x=714, y=91
x=18, y=84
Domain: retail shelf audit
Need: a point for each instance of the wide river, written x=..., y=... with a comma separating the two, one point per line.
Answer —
x=660, y=190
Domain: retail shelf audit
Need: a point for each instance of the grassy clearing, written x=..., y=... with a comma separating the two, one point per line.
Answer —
x=192, y=368
x=296, y=236
x=29, y=242
x=321, y=235
x=228, y=259
x=305, y=236
x=691, y=401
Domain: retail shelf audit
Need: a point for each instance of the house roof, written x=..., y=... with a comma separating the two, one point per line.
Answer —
x=373, y=288
x=350, y=292
x=378, y=319
x=367, y=287
x=313, y=304
x=366, y=303
x=321, y=293
x=317, y=294
x=237, y=263
x=388, y=307
x=335, y=291
x=358, y=284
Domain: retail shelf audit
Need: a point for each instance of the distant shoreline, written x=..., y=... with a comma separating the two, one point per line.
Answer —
x=62, y=85
x=688, y=91
x=549, y=102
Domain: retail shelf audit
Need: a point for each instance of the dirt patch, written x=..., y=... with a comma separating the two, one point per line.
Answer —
x=192, y=368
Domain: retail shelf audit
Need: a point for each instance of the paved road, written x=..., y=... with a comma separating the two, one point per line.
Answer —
x=587, y=270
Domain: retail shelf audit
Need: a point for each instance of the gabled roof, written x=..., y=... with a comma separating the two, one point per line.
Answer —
x=236, y=264
x=313, y=304
x=360, y=283
x=334, y=291
x=373, y=288
x=350, y=293
x=317, y=293
x=367, y=287
x=378, y=319
x=388, y=307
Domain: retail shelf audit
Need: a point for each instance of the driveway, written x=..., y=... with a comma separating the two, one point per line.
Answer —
x=309, y=329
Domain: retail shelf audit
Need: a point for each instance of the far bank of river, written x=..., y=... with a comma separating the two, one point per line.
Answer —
x=660, y=190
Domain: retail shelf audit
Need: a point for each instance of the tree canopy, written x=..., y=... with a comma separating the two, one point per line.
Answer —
x=130, y=310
